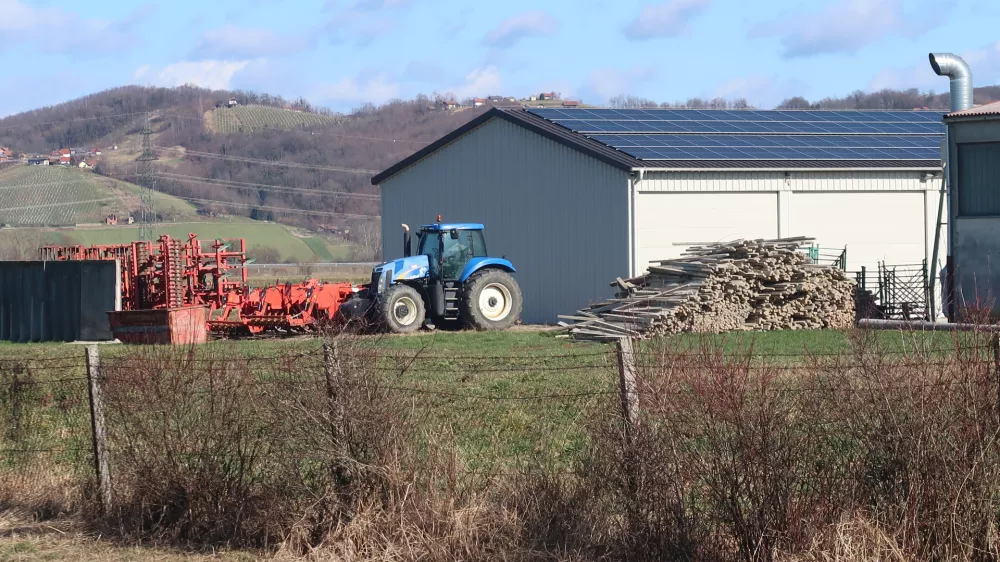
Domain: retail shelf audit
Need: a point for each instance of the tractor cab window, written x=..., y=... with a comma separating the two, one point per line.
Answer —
x=430, y=246
x=459, y=246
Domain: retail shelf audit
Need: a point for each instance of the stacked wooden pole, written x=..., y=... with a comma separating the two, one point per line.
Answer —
x=729, y=286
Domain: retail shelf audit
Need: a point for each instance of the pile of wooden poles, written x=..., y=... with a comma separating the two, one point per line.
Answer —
x=724, y=287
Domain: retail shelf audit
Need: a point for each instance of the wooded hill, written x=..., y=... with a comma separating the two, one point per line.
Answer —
x=320, y=169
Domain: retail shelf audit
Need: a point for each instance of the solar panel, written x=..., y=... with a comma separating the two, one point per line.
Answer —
x=691, y=134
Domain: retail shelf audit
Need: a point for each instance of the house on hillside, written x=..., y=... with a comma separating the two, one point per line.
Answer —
x=65, y=156
x=570, y=103
x=38, y=161
x=23, y=157
x=450, y=104
x=233, y=102
x=88, y=164
x=478, y=102
x=547, y=96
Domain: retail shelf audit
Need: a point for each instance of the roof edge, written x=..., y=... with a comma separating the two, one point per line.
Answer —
x=518, y=117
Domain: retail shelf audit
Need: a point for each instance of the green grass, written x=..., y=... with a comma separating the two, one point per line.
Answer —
x=256, y=233
x=507, y=399
x=319, y=248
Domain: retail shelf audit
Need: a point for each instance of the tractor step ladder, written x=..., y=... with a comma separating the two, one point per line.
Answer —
x=451, y=311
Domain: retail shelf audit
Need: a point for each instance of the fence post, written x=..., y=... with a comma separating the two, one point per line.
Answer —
x=98, y=434
x=627, y=384
x=332, y=370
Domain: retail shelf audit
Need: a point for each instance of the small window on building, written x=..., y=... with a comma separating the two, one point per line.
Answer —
x=978, y=179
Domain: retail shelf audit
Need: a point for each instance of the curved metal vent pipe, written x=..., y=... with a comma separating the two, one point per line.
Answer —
x=952, y=66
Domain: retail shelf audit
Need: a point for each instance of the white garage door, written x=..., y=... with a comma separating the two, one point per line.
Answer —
x=666, y=223
x=874, y=226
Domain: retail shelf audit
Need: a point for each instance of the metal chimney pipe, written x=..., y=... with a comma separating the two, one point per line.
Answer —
x=952, y=66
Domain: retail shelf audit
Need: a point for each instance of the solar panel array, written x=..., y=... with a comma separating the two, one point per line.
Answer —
x=690, y=134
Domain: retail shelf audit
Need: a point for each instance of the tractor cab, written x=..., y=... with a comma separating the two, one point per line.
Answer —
x=449, y=248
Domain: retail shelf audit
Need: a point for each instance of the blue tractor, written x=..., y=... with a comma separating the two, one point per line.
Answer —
x=451, y=280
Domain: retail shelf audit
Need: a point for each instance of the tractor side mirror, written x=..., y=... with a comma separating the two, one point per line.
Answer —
x=454, y=235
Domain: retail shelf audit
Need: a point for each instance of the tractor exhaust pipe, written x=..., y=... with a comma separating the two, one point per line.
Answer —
x=952, y=66
x=406, y=241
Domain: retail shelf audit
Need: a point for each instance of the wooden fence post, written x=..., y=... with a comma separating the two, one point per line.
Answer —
x=98, y=434
x=333, y=372
x=627, y=384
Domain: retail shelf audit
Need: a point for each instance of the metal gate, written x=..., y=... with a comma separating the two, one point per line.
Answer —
x=896, y=292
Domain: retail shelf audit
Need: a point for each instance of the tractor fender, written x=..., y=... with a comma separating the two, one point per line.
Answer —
x=475, y=264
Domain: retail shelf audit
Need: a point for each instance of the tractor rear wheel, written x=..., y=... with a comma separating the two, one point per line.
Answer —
x=491, y=300
x=401, y=309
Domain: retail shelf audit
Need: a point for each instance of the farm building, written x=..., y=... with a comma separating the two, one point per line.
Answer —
x=577, y=197
x=974, y=221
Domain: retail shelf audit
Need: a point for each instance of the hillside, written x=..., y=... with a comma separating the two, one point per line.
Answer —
x=274, y=160
x=64, y=196
x=56, y=204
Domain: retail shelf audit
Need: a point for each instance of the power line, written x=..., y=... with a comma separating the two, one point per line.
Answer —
x=341, y=135
x=267, y=162
x=261, y=186
x=282, y=209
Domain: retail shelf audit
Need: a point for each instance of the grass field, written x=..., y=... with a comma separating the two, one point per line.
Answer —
x=272, y=235
x=485, y=386
x=54, y=195
x=248, y=118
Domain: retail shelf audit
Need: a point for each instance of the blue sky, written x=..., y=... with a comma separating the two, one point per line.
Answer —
x=341, y=53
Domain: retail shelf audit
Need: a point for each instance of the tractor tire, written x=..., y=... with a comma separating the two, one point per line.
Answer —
x=491, y=300
x=401, y=309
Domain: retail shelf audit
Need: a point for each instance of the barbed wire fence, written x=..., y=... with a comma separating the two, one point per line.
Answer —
x=71, y=424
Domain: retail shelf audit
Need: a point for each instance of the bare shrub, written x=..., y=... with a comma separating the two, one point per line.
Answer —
x=216, y=448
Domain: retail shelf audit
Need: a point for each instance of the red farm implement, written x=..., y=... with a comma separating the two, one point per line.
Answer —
x=205, y=286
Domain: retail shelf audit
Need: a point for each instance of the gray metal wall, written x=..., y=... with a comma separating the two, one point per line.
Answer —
x=57, y=301
x=975, y=231
x=561, y=217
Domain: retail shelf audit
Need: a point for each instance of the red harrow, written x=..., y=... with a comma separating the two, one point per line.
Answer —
x=170, y=275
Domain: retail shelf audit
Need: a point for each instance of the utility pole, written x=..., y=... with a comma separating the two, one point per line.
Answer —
x=147, y=215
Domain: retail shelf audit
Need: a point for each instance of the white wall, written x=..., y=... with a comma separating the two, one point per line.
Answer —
x=880, y=216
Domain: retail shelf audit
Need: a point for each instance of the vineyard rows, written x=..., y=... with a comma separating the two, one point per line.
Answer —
x=53, y=196
x=248, y=118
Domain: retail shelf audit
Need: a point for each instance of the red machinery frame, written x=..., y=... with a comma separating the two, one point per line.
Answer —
x=171, y=274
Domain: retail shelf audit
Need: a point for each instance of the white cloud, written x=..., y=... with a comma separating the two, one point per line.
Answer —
x=353, y=90
x=212, y=74
x=535, y=23
x=613, y=81
x=249, y=42
x=847, y=26
x=57, y=30
x=480, y=82
x=666, y=19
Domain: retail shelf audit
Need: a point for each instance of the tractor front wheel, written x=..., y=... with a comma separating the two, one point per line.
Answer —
x=491, y=300
x=401, y=309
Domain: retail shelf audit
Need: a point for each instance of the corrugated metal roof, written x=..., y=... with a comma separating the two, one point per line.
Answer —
x=985, y=109
x=623, y=161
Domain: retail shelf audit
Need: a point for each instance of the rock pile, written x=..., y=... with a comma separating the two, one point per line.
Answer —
x=729, y=286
